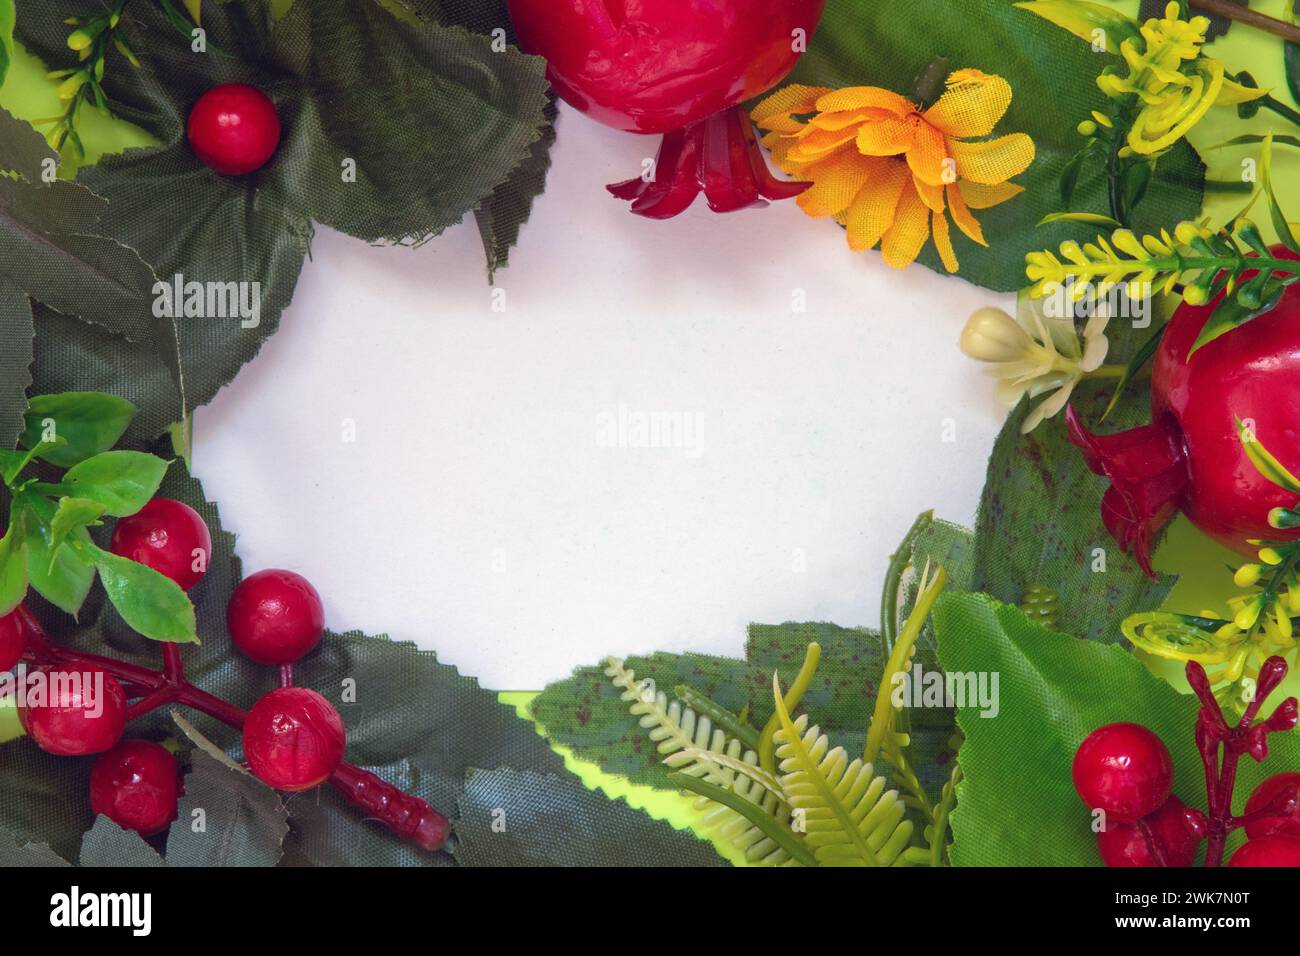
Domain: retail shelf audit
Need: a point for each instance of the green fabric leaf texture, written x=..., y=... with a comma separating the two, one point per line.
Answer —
x=522, y=818
x=107, y=844
x=17, y=329
x=1017, y=805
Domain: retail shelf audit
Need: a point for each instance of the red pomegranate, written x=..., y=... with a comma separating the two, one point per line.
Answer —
x=1190, y=457
x=681, y=68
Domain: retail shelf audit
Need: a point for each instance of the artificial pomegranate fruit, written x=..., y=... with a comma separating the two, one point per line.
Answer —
x=1277, y=801
x=1268, y=851
x=1190, y=457
x=168, y=536
x=275, y=617
x=1176, y=829
x=72, y=709
x=681, y=68
x=234, y=129
x=136, y=786
x=293, y=739
x=13, y=638
x=1124, y=770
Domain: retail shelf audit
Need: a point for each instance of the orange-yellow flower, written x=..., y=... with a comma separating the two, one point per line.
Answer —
x=891, y=172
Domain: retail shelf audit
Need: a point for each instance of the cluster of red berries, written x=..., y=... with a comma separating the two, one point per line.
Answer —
x=1124, y=773
x=293, y=737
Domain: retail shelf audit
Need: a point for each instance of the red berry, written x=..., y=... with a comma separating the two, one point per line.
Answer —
x=1125, y=770
x=1268, y=851
x=72, y=709
x=135, y=786
x=1176, y=827
x=275, y=617
x=13, y=638
x=1275, y=792
x=234, y=129
x=293, y=739
x=168, y=536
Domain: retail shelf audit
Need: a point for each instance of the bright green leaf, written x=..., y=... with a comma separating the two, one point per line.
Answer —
x=1280, y=223
x=71, y=515
x=1231, y=314
x=13, y=567
x=121, y=481
x=6, y=36
x=62, y=577
x=1017, y=805
x=89, y=422
x=1092, y=218
x=150, y=603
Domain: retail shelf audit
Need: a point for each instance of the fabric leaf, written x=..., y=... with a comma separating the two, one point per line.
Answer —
x=227, y=817
x=107, y=844
x=523, y=818
x=17, y=329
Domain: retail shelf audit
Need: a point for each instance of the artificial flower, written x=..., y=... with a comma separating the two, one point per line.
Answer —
x=1173, y=82
x=1036, y=354
x=892, y=172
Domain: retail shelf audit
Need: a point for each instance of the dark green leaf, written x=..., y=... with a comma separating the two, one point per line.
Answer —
x=89, y=423
x=121, y=481
x=16, y=332
x=227, y=818
x=1040, y=523
x=1292, y=55
x=150, y=603
x=1017, y=805
x=521, y=818
x=1070, y=176
x=1136, y=181
x=107, y=844
x=503, y=214
x=15, y=854
x=1053, y=77
x=1231, y=313
x=1135, y=365
x=23, y=150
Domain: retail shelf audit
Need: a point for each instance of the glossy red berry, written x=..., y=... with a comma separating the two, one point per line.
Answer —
x=135, y=785
x=293, y=739
x=234, y=129
x=72, y=709
x=1177, y=828
x=13, y=639
x=1125, y=770
x=168, y=536
x=275, y=617
x=1275, y=793
x=1268, y=851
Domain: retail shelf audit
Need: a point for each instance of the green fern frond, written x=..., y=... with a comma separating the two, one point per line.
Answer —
x=692, y=745
x=847, y=816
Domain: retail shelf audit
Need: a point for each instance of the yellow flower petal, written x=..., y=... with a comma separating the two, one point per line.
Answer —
x=1234, y=93
x=972, y=105
x=932, y=196
x=795, y=100
x=873, y=211
x=943, y=241
x=981, y=196
x=906, y=237
x=962, y=216
x=927, y=155
x=993, y=161
x=861, y=97
x=836, y=183
x=888, y=135
x=819, y=143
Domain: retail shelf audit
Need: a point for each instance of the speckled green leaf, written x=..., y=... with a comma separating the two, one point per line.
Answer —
x=1040, y=523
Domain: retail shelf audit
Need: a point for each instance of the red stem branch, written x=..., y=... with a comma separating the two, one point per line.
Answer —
x=405, y=815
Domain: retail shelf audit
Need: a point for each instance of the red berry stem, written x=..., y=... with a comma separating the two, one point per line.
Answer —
x=1213, y=733
x=407, y=816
